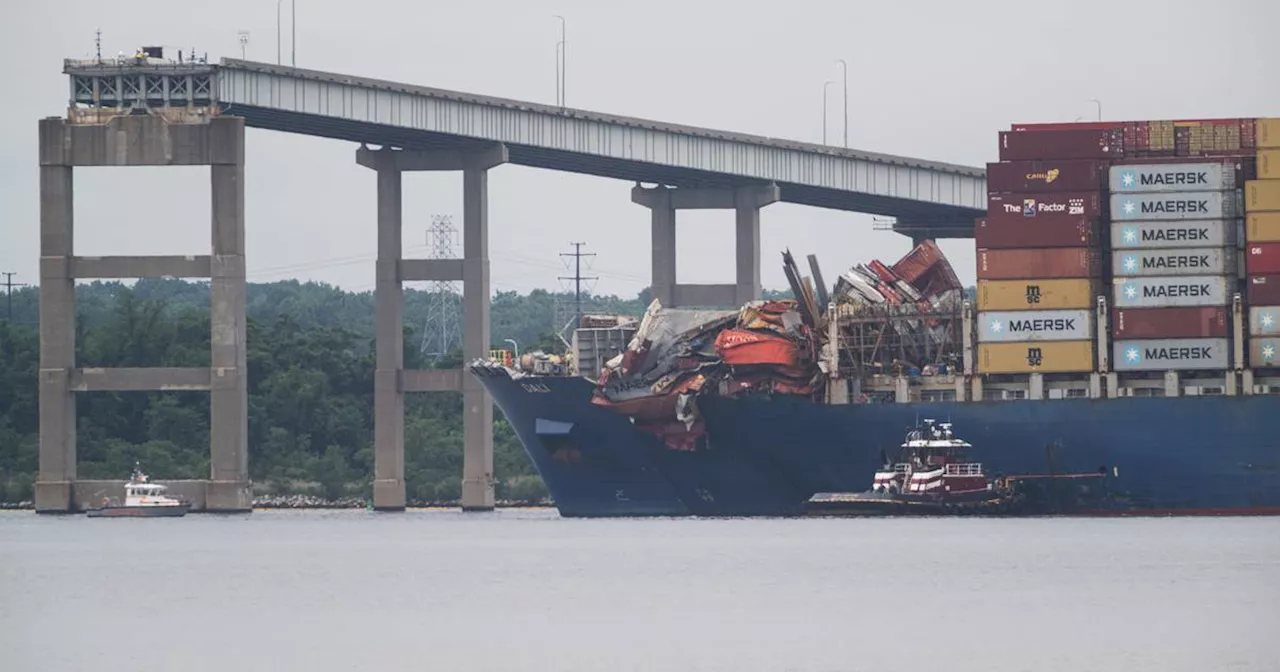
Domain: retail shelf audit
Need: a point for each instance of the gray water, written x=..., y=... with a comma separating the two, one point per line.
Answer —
x=439, y=590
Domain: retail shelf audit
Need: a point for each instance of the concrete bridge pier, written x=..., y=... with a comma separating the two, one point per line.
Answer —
x=391, y=380
x=746, y=201
x=172, y=137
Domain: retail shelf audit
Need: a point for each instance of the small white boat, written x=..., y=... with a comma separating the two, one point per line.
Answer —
x=142, y=499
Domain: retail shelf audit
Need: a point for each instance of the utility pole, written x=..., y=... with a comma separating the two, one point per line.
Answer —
x=577, y=278
x=9, y=284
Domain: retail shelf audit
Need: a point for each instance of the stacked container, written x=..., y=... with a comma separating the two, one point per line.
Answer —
x=1040, y=254
x=1262, y=249
x=1174, y=263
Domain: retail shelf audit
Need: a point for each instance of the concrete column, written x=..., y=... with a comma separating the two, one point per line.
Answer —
x=228, y=488
x=662, y=231
x=477, y=461
x=1172, y=384
x=388, y=395
x=747, y=203
x=1035, y=386
x=902, y=390
x=57, y=456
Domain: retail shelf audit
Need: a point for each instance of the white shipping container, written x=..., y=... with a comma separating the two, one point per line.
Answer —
x=1264, y=321
x=1168, y=292
x=1191, y=261
x=1171, y=354
x=1175, y=234
x=1035, y=325
x=1173, y=177
x=1163, y=207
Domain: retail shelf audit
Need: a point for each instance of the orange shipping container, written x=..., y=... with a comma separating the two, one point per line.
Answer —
x=1268, y=133
x=1269, y=164
x=1262, y=195
x=1262, y=227
x=1040, y=294
x=1036, y=357
x=1018, y=264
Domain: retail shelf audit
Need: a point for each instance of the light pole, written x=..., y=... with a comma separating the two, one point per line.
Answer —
x=516, y=346
x=1097, y=102
x=293, y=36
x=825, y=86
x=562, y=57
x=278, y=31
x=844, y=69
x=243, y=36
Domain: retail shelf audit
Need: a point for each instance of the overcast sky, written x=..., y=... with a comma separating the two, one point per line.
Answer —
x=934, y=80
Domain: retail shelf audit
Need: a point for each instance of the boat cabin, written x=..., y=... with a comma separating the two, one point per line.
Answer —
x=932, y=461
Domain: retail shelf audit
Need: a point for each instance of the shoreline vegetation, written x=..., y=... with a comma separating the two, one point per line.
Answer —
x=304, y=502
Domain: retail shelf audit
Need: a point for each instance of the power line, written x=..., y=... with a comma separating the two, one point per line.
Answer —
x=9, y=284
x=577, y=278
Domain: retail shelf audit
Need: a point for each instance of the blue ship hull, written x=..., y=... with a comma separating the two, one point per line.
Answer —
x=1188, y=455
x=595, y=463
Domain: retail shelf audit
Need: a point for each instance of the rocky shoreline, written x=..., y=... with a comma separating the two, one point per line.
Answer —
x=312, y=502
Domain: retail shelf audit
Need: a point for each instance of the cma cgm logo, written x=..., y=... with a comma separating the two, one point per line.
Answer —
x=1046, y=177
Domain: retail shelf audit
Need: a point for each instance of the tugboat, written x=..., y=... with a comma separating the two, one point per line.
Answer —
x=142, y=499
x=931, y=476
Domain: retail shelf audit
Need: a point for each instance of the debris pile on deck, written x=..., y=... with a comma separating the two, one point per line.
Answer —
x=678, y=354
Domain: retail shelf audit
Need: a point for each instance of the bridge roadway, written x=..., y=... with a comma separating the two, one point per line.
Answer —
x=166, y=113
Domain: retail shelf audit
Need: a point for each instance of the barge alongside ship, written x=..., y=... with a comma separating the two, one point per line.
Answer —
x=1112, y=334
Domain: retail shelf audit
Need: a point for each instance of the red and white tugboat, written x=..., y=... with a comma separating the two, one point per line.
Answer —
x=142, y=499
x=931, y=476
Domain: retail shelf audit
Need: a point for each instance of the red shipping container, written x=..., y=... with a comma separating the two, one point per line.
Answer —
x=1197, y=322
x=1037, y=209
x=1069, y=126
x=1040, y=263
x=1001, y=234
x=1262, y=258
x=1086, y=144
x=1020, y=177
x=1264, y=290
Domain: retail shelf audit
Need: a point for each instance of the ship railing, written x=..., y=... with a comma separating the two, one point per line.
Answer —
x=964, y=469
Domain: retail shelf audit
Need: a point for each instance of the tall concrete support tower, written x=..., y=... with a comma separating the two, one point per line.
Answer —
x=391, y=380
x=745, y=201
x=149, y=137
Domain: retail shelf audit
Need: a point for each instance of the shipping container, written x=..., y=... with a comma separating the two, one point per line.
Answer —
x=1021, y=177
x=1264, y=352
x=1035, y=325
x=1201, y=322
x=1173, y=177
x=1214, y=137
x=1074, y=144
x=1269, y=133
x=1186, y=205
x=1262, y=290
x=1174, y=234
x=1059, y=262
x=1264, y=320
x=1007, y=234
x=1262, y=195
x=1189, y=261
x=1268, y=165
x=1171, y=354
x=1069, y=126
x=1037, y=208
x=1036, y=356
x=1169, y=292
x=1040, y=294
x=1262, y=227
x=1244, y=166
x=1262, y=258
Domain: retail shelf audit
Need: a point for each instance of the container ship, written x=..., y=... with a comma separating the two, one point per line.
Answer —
x=1126, y=323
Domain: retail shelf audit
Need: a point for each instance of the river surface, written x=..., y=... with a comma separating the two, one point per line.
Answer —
x=525, y=590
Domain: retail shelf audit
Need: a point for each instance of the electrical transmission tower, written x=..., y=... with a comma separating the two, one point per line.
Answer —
x=577, y=279
x=440, y=332
x=9, y=284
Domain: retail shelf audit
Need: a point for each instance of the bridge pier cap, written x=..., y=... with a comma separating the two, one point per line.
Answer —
x=479, y=158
